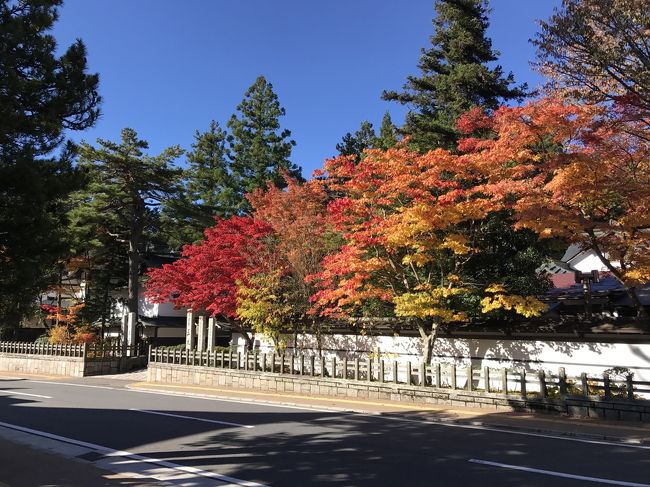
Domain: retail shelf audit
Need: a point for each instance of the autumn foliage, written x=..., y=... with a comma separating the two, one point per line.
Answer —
x=576, y=172
x=440, y=237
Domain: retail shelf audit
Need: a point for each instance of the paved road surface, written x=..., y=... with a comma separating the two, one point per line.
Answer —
x=200, y=441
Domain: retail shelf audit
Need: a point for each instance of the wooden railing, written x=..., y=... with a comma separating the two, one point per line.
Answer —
x=87, y=351
x=541, y=384
x=29, y=348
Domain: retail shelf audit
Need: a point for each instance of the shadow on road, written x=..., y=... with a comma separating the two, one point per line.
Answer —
x=290, y=447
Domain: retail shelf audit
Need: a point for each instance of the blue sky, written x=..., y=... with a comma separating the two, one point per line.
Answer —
x=168, y=67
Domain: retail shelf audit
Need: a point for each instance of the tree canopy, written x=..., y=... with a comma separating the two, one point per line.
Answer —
x=456, y=74
x=41, y=96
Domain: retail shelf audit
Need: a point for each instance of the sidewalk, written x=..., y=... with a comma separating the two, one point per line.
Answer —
x=24, y=466
x=587, y=428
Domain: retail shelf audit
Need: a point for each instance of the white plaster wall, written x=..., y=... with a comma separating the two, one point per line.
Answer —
x=576, y=357
x=590, y=262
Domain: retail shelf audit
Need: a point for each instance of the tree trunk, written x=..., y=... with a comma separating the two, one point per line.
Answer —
x=640, y=310
x=428, y=334
x=631, y=291
x=135, y=238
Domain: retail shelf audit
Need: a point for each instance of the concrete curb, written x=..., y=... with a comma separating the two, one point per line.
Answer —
x=495, y=426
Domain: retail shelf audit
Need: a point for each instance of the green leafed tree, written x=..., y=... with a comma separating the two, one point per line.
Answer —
x=209, y=190
x=258, y=148
x=124, y=192
x=456, y=74
x=42, y=94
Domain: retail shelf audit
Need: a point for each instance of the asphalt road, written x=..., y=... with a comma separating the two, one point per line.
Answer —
x=215, y=442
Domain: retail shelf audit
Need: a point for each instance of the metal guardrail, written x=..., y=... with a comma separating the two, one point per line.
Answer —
x=542, y=384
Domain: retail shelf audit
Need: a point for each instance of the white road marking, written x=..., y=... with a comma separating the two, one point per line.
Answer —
x=373, y=415
x=72, y=384
x=11, y=393
x=512, y=432
x=558, y=474
x=147, y=411
x=109, y=452
x=196, y=396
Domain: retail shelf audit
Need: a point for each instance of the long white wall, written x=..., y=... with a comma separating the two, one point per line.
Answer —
x=576, y=357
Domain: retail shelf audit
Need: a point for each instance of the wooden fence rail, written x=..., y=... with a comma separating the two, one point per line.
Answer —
x=87, y=351
x=446, y=376
x=29, y=348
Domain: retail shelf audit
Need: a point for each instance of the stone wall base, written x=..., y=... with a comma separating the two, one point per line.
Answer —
x=638, y=410
x=42, y=364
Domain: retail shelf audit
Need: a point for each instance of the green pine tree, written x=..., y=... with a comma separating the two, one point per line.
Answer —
x=42, y=95
x=455, y=75
x=209, y=190
x=124, y=192
x=259, y=150
x=353, y=144
x=388, y=134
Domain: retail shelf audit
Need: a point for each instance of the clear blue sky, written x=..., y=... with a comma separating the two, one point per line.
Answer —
x=168, y=67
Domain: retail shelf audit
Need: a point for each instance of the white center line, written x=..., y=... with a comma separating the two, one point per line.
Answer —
x=194, y=418
x=134, y=456
x=558, y=474
x=11, y=393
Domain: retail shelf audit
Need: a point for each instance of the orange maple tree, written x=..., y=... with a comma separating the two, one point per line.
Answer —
x=577, y=172
x=413, y=225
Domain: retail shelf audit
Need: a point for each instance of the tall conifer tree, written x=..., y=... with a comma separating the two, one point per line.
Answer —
x=41, y=95
x=455, y=75
x=259, y=149
x=125, y=189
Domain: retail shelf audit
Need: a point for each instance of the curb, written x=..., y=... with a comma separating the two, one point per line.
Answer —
x=397, y=416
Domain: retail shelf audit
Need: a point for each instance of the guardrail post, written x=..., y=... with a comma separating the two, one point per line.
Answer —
x=345, y=367
x=334, y=367
x=356, y=368
x=438, y=376
x=423, y=374
x=395, y=371
x=368, y=369
x=302, y=364
x=238, y=361
x=585, y=384
x=470, y=378
x=562, y=382
x=630, y=387
x=606, y=386
x=454, y=378
x=504, y=381
x=542, y=383
x=486, y=378
x=408, y=373
x=264, y=362
x=312, y=365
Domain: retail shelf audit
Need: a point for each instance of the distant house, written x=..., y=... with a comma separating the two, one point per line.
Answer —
x=608, y=296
